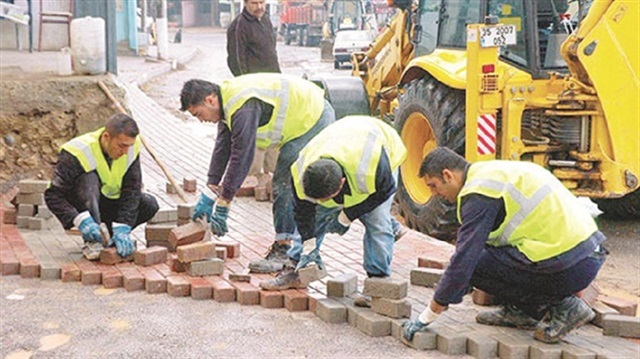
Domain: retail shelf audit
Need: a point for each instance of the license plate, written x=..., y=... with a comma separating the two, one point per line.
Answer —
x=500, y=35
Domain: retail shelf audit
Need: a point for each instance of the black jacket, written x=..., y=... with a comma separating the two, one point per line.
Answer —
x=251, y=45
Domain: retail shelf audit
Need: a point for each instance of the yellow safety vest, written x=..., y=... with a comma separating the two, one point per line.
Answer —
x=297, y=104
x=87, y=150
x=543, y=219
x=356, y=144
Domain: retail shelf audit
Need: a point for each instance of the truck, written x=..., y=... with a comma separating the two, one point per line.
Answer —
x=301, y=22
x=553, y=82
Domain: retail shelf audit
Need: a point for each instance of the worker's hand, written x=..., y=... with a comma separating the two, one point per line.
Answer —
x=122, y=239
x=340, y=225
x=204, y=207
x=411, y=327
x=219, y=219
x=88, y=227
x=310, y=254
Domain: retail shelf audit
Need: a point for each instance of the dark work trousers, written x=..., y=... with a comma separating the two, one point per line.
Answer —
x=105, y=210
x=530, y=291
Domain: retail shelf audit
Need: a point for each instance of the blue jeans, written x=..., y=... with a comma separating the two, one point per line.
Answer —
x=283, y=219
x=379, y=236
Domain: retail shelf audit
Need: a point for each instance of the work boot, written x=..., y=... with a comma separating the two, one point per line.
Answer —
x=91, y=250
x=507, y=316
x=362, y=300
x=274, y=261
x=402, y=230
x=286, y=279
x=570, y=314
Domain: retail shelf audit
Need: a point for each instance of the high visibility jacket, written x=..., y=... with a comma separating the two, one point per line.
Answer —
x=543, y=219
x=297, y=104
x=87, y=150
x=356, y=144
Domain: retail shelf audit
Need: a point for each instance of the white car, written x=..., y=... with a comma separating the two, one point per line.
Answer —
x=348, y=41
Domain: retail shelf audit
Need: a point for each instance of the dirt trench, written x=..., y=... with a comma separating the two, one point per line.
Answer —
x=39, y=114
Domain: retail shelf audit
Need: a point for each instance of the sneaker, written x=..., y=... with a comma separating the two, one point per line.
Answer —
x=274, y=261
x=402, y=230
x=362, y=300
x=570, y=314
x=286, y=279
x=91, y=250
x=507, y=316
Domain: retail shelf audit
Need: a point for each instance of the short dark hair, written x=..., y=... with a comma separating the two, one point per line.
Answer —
x=195, y=91
x=322, y=178
x=121, y=123
x=440, y=159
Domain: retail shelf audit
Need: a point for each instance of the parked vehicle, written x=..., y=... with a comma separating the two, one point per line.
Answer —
x=349, y=41
x=301, y=22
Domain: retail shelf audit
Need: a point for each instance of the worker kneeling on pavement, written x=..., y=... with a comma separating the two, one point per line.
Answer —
x=263, y=110
x=524, y=238
x=347, y=172
x=98, y=178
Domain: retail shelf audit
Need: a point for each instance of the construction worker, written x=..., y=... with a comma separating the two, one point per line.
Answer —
x=347, y=172
x=523, y=238
x=98, y=179
x=263, y=110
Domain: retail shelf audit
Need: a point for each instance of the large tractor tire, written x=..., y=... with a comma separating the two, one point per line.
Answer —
x=627, y=207
x=430, y=114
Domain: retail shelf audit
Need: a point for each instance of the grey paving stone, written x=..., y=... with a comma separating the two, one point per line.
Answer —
x=385, y=288
x=33, y=186
x=27, y=210
x=601, y=311
x=545, y=351
x=331, y=311
x=621, y=326
x=393, y=308
x=451, y=341
x=185, y=211
x=426, y=277
x=574, y=352
x=165, y=215
x=481, y=346
x=343, y=285
x=373, y=324
x=510, y=347
x=396, y=328
x=50, y=270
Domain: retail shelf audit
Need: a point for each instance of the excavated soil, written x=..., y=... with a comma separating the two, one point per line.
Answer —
x=39, y=114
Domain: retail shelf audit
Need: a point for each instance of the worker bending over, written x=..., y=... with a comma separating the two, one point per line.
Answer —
x=98, y=179
x=263, y=110
x=524, y=238
x=346, y=172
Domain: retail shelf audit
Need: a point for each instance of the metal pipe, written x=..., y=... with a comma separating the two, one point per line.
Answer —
x=562, y=163
x=585, y=127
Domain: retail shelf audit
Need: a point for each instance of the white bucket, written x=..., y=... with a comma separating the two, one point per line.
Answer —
x=63, y=59
x=88, y=45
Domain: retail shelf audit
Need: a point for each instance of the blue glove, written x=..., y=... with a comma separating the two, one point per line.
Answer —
x=337, y=227
x=88, y=227
x=219, y=220
x=204, y=207
x=310, y=253
x=411, y=327
x=124, y=245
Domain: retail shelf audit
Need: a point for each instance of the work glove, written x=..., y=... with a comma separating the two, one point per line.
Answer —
x=219, y=220
x=204, y=207
x=88, y=227
x=122, y=239
x=310, y=253
x=340, y=225
x=411, y=327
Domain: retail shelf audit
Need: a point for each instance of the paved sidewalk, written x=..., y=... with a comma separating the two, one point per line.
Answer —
x=185, y=150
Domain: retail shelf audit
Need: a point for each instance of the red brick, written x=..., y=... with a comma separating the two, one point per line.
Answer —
x=246, y=293
x=29, y=267
x=223, y=291
x=429, y=262
x=233, y=248
x=154, y=282
x=89, y=272
x=164, y=269
x=483, y=298
x=271, y=299
x=313, y=299
x=69, y=272
x=150, y=256
x=111, y=276
x=221, y=252
x=191, y=232
x=237, y=277
x=177, y=266
x=132, y=278
x=196, y=251
x=189, y=184
x=158, y=232
x=295, y=301
x=110, y=256
x=623, y=306
x=200, y=288
x=9, y=263
x=247, y=187
x=9, y=216
x=178, y=286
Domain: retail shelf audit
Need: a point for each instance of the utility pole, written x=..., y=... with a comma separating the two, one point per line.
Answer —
x=163, y=32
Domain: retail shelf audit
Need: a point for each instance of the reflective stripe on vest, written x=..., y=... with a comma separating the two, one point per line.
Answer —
x=87, y=150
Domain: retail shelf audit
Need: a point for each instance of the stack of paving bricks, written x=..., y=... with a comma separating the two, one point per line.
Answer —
x=32, y=212
x=157, y=230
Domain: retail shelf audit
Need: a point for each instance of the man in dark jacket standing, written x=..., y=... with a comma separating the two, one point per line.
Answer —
x=251, y=41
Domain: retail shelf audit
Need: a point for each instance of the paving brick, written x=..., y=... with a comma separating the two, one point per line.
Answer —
x=132, y=278
x=170, y=189
x=223, y=291
x=372, y=324
x=314, y=296
x=164, y=215
x=69, y=272
x=423, y=340
x=248, y=294
x=200, y=288
x=311, y=274
x=111, y=276
x=22, y=221
x=89, y=273
x=185, y=234
x=164, y=269
x=185, y=211
x=589, y=294
x=233, y=248
x=393, y=308
x=575, y=352
x=9, y=215
x=190, y=184
x=44, y=212
x=512, y=348
x=27, y=210
x=621, y=326
x=32, y=186
x=158, y=232
x=545, y=351
x=247, y=187
x=37, y=223
x=162, y=243
x=10, y=264
x=205, y=267
x=221, y=252
x=435, y=263
x=238, y=277
x=29, y=267
x=623, y=306
x=385, y=288
x=601, y=311
x=110, y=256
x=483, y=298
x=154, y=282
x=481, y=346
x=196, y=251
x=271, y=299
x=331, y=311
x=295, y=300
x=150, y=256
x=450, y=341
x=183, y=221
x=178, y=266
x=50, y=271
x=30, y=198
x=352, y=311
x=178, y=286
x=343, y=285
x=426, y=277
